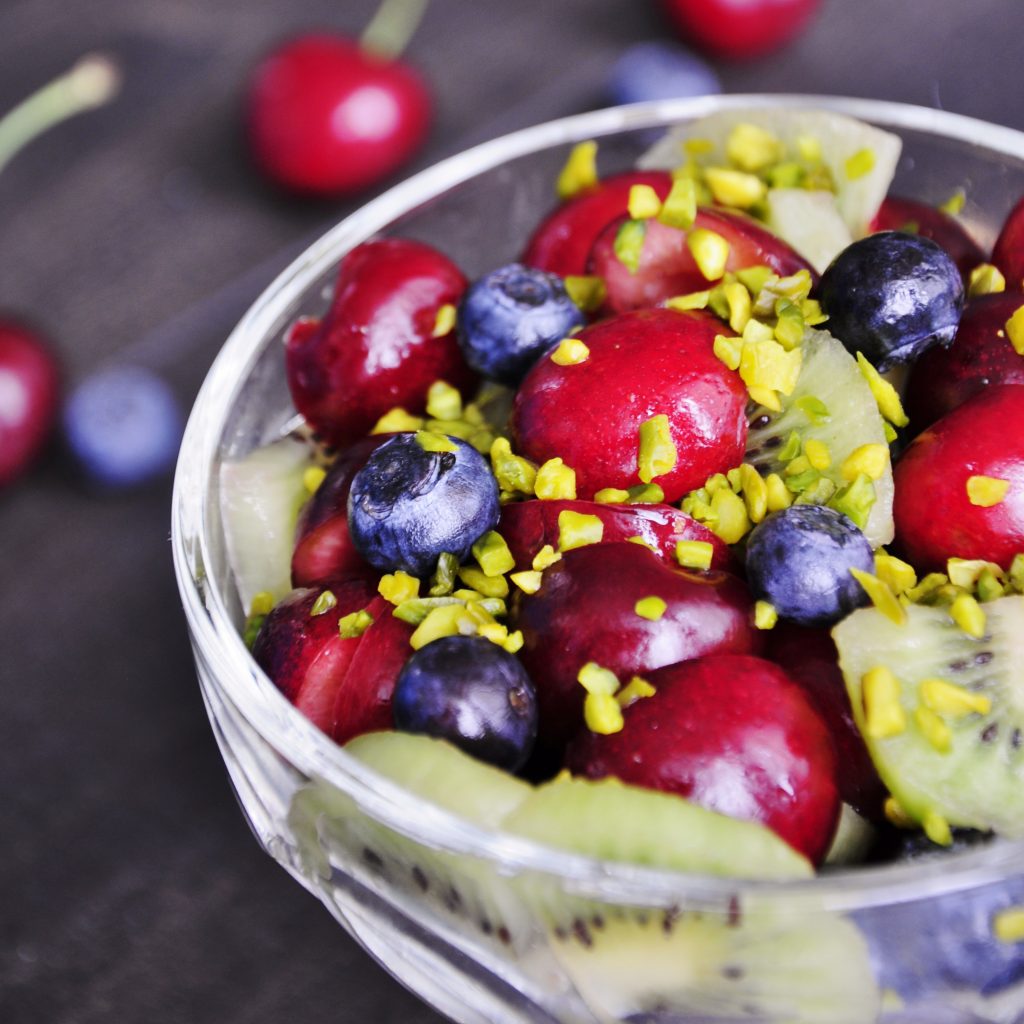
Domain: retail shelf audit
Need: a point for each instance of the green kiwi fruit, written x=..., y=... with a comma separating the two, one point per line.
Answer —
x=832, y=403
x=943, y=764
x=734, y=957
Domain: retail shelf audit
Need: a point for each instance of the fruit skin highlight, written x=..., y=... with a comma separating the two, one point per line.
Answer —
x=733, y=734
x=898, y=213
x=935, y=517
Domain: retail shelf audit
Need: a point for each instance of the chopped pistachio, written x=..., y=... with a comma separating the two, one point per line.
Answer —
x=985, y=279
x=493, y=554
x=765, y=615
x=936, y=828
x=262, y=603
x=594, y=678
x=752, y=148
x=955, y=203
x=899, y=575
x=755, y=278
x=324, y=603
x=602, y=714
x=694, y=554
x=680, y=206
x=513, y=472
x=545, y=558
x=1015, y=331
x=588, y=292
x=430, y=441
x=968, y=615
x=776, y=493
x=577, y=529
x=398, y=586
x=886, y=397
x=397, y=421
x=986, y=491
x=871, y=460
x=528, y=581
x=934, y=729
x=579, y=172
x=313, y=478
x=443, y=401
x=444, y=322
x=447, y=620
x=1008, y=925
x=729, y=350
x=657, y=453
x=732, y=522
x=643, y=202
x=855, y=500
x=766, y=364
x=355, y=624
x=651, y=608
x=965, y=572
x=882, y=596
x=884, y=716
x=443, y=580
x=629, y=244
x=755, y=492
x=694, y=300
x=489, y=586
x=739, y=305
x=735, y=188
x=636, y=689
x=817, y=453
x=813, y=408
x=646, y=494
x=555, y=480
x=611, y=496
x=946, y=698
x=860, y=164
x=710, y=252
x=570, y=352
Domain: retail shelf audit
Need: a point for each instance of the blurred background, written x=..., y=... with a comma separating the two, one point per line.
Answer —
x=138, y=232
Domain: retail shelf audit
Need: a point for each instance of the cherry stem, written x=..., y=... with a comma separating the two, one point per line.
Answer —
x=392, y=27
x=93, y=81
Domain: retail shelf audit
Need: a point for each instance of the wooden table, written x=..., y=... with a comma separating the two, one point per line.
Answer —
x=130, y=888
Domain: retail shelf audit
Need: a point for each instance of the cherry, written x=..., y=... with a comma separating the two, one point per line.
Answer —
x=810, y=658
x=653, y=362
x=28, y=397
x=667, y=266
x=324, y=552
x=739, y=29
x=981, y=356
x=984, y=437
x=342, y=684
x=734, y=734
x=1008, y=252
x=899, y=214
x=376, y=348
x=586, y=611
x=327, y=116
x=561, y=243
x=528, y=525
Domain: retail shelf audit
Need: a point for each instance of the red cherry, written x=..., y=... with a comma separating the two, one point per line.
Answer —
x=528, y=525
x=935, y=518
x=643, y=364
x=562, y=241
x=810, y=658
x=981, y=356
x=585, y=611
x=739, y=28
x=667, y=266
x=375, y=349
x=734, y=734
x=29, y=391
x=1008, y=252
x=327, y=118
x=899, y=214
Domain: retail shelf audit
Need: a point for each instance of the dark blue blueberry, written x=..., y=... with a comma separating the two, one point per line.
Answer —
x=510, y=317
x=124, y=426
x=408, y=505
x=659, y=71
x=469, y=691
x=892, y=296
x=800, y=559
x=942, y=948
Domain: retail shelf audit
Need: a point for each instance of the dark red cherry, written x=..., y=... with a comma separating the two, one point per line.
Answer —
x=734, y=734
x=980, y=357
x=900, y=214
x=667, y=267
x=326, y=117
x=562, y=242
x=376, y=348
x=586, y=611
x=1008, y=252
x=29, y=391
x=739, y=29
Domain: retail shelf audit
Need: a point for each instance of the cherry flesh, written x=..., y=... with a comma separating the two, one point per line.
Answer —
x=734, y=734
x=984, y=437
x=327, y=118
x=642, y=364
x=667, y=266
x=376, y=348
x=586, y=611
x=29, y=393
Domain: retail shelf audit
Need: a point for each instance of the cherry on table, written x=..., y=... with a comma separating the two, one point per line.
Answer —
x=327, y=115
x=29, y=392
x=739, y=29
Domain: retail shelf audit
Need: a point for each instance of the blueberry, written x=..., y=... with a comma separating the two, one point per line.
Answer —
x=945, y=947
x=508, y=319
x=469, y=691
x=123, y=425
x=408, y=505
x=892, y=296
x=800, y=559
x=659, y=71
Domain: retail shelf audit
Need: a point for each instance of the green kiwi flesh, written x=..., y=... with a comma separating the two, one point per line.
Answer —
x=979, y=782
x=830, y=376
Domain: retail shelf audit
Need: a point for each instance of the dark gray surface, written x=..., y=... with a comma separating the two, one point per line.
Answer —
x=130, y=889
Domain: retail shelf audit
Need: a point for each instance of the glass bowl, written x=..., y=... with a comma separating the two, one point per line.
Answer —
x=487, y=927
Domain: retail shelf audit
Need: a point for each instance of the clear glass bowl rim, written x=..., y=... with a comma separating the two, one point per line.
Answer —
x=300, y=743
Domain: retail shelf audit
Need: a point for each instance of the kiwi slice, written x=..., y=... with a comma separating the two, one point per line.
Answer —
x=942, y=761
x=260, y=498
x=810, y=222
x=752, y=958
x=832, y=403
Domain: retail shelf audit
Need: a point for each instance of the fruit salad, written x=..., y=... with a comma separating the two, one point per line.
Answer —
x=691, y=535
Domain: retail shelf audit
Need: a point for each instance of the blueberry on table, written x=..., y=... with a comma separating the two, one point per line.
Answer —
x=419, y=496
x=509, y=317
x=658, y=70
x=469, y=691
x=124, y=426
x=800, y=559
x=892, y=296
